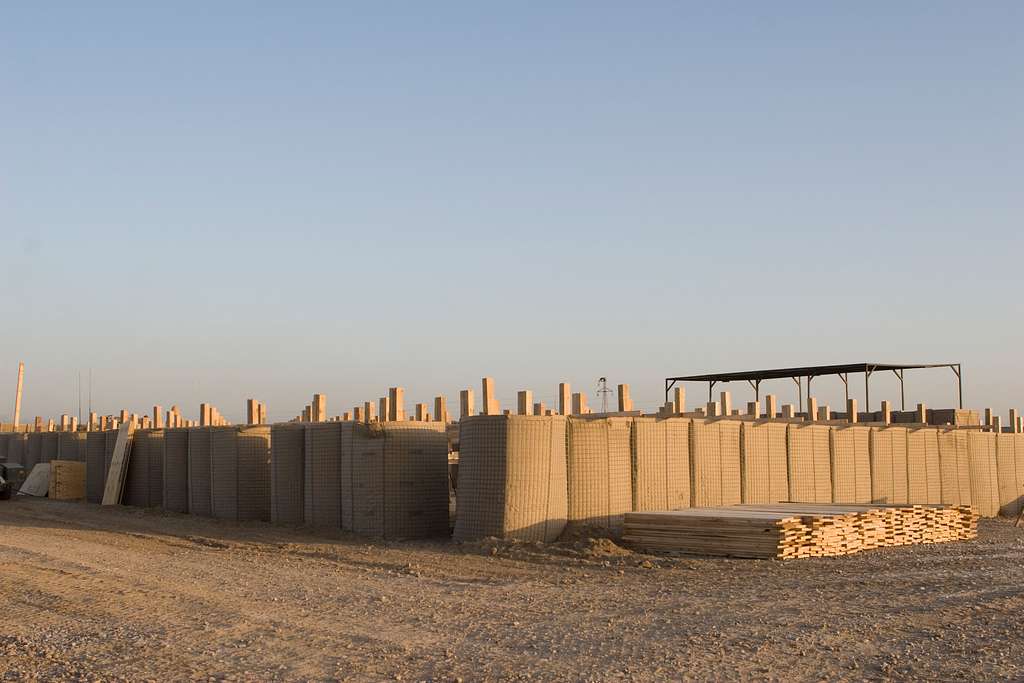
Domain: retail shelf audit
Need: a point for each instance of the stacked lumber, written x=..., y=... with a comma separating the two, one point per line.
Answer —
x=797, y=530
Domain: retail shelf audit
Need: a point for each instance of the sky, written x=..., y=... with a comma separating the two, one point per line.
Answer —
x=206, y=202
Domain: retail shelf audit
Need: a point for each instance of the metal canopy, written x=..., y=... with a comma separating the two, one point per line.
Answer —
x=755, y=377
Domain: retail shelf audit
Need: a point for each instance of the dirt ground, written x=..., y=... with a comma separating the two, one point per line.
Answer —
x=94, y=593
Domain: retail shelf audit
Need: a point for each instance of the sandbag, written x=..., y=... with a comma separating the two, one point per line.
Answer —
x=199, y=496
x=175, y=470
x=394, y=478
x=512, y=477
x=810, y=466
x=981, y=452
x=715, y=462
x=287, y=465
x=764, y=470
x=661, y=463
x=598, y=471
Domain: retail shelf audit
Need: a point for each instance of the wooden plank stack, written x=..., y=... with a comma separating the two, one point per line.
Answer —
x=797, y=530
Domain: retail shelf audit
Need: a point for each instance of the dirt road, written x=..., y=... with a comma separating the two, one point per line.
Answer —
x=96, y=593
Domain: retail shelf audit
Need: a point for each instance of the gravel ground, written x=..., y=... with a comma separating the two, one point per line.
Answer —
x=96, y=593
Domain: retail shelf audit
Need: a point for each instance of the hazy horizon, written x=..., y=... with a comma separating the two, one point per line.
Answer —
x=207, y=204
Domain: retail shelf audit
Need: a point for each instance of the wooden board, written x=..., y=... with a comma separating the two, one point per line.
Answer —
x=67, y=480
x=118, y=465
x=38, y=481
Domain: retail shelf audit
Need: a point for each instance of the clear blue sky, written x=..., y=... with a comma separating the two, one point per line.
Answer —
x=211, y=201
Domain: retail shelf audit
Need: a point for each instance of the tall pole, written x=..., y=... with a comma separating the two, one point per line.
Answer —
x=17, y=397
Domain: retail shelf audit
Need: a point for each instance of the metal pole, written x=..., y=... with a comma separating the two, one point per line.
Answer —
x=867, y=391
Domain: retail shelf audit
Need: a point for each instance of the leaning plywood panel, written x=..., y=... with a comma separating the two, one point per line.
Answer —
x=113, y=488
x=287, y=445
x=715, y=462
x=851, y=464
x=599, y=471
x=398, y=478
x=199, y=500
x=764, y=470
x=981, y=450
x=37, y=483
x=512, y=477
x=809, y=460
x=322, y=469
x=95, y=447
x=175, y=470
x=661, y=463
x=1006, y=475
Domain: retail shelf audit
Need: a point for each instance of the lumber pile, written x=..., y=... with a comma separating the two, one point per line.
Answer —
x=797, y=530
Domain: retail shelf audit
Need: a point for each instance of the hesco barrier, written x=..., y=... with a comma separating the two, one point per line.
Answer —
x=240, y=472
x=95, y=448
x=322, y=499
x=144, y=481
x=981, y=451
x=599, y=471
x=49, y=448
x=108, y=451
x=851, y=464
x=175, y=468
x=33, y=449
x=889, y=465
x=287, y=462
x=661, y=463
x=924, y=485
x=715, y=462
x=199, y=471
x=394, y=477
x=16, y=448
x=5, y=439
x=954, y=467
x=764, y=469
x=512, y=477
x=1010, y=473
x=71, y=446
x=810, y=463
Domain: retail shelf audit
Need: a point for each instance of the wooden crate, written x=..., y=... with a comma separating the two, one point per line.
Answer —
x=67, y=480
